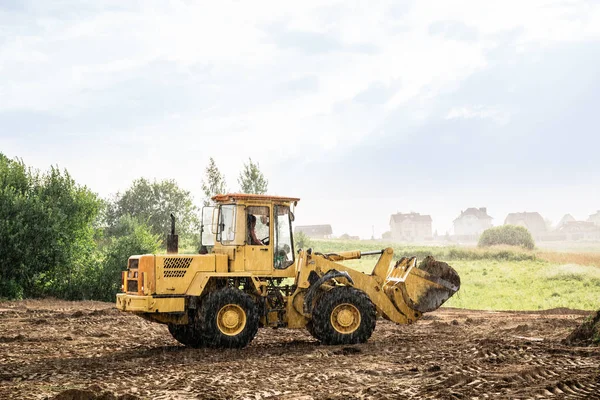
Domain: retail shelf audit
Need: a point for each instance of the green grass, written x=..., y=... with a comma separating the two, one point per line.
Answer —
x=500, y=278
x=525, y=285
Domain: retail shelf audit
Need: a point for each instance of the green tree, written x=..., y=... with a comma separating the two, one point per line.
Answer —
x=102, y=280
x=46, y=229
x=301, y=241
x=252, y=180
x=507, y=234
x=151, y=203
x=213, y=183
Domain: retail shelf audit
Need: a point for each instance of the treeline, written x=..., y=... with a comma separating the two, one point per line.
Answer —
x=59, y=238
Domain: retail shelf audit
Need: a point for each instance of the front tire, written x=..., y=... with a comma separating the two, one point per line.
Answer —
x=185, y=334
x=227, y=318
x=343, y=315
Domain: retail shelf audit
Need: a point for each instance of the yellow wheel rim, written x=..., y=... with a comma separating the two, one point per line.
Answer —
x=345, y=318
x=231, y=319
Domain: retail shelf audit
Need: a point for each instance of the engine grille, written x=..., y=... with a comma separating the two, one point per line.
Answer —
x=176, y=267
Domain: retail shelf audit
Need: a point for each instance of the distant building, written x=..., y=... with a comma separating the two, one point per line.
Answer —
x=533, y=221
x=410, y=227
x=580, y=230
x=472, y=222
x=315, y=231
x=595, y=218
x=564, y=220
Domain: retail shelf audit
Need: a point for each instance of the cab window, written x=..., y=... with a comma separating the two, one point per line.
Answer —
x=257, y=230
x=230, y=229
x=283, y=255
x=209, y=226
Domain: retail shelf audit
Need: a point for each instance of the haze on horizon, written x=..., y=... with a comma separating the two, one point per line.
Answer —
x=361, y=111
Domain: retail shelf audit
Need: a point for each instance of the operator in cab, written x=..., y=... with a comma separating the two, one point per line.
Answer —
x=252, y=239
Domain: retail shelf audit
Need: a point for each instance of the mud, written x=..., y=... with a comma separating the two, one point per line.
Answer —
x=440, y=269
x=586, y=334
x=55, y=348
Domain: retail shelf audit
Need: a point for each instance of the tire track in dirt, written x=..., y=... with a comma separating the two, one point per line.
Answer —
x=49, y=346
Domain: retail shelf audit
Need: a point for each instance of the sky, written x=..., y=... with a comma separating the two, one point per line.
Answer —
x=361, y=109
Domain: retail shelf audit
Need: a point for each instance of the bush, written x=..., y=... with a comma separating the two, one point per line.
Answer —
x=101, y=280
x=507, y=234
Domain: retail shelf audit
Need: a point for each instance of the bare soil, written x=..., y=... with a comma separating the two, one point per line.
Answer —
x=88, y=350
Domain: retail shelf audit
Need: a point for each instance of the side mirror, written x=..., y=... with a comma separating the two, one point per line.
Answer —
x=292, y=216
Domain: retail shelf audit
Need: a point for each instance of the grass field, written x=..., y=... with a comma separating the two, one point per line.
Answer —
x=502, y=278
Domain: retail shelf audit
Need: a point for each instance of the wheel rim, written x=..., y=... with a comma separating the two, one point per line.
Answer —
x=345, y=318
x=231, y=319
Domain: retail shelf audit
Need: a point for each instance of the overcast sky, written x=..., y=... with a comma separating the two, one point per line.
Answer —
x=361, y=109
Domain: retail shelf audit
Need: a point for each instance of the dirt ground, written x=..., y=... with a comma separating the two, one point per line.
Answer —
x=51, y=347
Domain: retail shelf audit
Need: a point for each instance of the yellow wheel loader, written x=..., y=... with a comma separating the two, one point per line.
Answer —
x=252, y=278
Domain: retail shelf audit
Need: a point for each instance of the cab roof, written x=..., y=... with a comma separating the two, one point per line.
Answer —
x=220, y=198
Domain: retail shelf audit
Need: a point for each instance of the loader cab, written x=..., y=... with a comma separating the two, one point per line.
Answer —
x=255, y=231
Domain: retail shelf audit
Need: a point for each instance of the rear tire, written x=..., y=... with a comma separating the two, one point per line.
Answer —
x=343, y=315
x=227, y=318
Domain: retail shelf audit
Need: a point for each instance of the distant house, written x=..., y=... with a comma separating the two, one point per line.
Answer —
x=533, y=221
x=564, y=220
x=595, y=218
x=580, y=230
x=410, y=227
x=315, y=231
x=472, y=222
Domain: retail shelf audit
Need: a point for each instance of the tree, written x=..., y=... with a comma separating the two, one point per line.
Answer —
x=46, y=229
x=507, y=234
x=102, y=279
x=151, y=203
x=213, y=183
x=301, y=241
x=252, y=180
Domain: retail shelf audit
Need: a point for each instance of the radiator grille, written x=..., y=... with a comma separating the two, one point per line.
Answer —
x=176, y=267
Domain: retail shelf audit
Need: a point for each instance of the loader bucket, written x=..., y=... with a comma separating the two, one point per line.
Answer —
x=423, y=288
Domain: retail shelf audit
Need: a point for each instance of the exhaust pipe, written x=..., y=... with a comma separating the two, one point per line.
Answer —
x=172, y=239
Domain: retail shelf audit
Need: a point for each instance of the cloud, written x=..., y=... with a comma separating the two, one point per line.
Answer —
x=454, y=30
x=156, y=87
x=497, y=115
x=314, y=42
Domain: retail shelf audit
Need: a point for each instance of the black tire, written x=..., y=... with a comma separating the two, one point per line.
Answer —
x=311, y=329
x=310, y=326
x=185, y=335
x=214, y=306
x=351, y=301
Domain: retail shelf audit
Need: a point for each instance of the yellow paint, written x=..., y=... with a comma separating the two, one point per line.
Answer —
x=345, y=318
x=258, y=259
x=135, y=303
x=383, y=266
x=295, y=318
x=221, y=264
x=231, y=319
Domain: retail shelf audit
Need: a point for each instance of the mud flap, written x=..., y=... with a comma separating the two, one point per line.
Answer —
x=314, y=286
